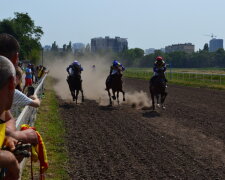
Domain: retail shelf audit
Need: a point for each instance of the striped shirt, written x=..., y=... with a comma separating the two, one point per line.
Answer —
x=19, y=100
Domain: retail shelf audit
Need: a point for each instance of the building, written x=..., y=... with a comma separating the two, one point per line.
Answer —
x=149, y=51
x=116, y=44
x=78, y=47
x=47, y=48
x=215, y=44
x=187, y=47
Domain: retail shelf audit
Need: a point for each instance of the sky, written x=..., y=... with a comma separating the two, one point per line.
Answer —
x=145, y=23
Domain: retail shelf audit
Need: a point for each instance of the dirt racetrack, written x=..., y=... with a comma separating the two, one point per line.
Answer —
x=185, y=141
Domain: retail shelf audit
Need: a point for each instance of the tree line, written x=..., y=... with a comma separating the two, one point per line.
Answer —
x=201, y=59
x=23, y=28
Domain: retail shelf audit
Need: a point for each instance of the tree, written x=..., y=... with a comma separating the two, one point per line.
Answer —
x=206, y=47
x=64, y=47
x=23, y=28
x=69, y=47
x=54, y=47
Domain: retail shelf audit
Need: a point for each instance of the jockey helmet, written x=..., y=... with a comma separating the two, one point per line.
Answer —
x=115, y=63
x=75, y=62
x=159, y=58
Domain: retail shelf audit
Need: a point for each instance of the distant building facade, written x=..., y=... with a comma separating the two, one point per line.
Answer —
x=215, y=44
x=78, y=47
x=187, y=47
x=149, y=51
x=116, y=44
x=47, y=48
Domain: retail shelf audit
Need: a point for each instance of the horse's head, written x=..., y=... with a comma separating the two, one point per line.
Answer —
x=120, y=71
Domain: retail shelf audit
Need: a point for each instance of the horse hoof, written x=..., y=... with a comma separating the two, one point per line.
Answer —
x=114, y=97
x=163, y=107
x=158, y=105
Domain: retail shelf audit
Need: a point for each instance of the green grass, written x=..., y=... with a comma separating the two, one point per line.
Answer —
x=211, y=81
x=51, y=127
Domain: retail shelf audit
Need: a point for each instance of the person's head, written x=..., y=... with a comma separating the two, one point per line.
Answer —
x=75, y=62
x=7, y=83
x=159, y=58
x=115, y=63
x=19, y=74
x=9, y=47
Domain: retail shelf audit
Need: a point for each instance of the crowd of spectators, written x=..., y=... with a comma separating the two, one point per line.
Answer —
x=11, y=97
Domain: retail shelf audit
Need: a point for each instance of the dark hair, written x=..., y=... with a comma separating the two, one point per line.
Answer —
x=8, y=45
x=19, y=74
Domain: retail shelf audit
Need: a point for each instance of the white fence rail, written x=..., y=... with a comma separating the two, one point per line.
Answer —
x=195, y=76
x=28, y=114
x=209, y=78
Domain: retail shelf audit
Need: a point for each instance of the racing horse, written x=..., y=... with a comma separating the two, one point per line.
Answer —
x=157, y=87
x=75, y=85
x=116, y=85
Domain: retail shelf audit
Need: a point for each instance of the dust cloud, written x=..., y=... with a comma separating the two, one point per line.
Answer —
x=93, y=81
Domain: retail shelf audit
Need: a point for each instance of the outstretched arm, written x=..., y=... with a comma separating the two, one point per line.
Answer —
x=67, y=69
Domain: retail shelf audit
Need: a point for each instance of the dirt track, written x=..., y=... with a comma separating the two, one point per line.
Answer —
x=186, y=141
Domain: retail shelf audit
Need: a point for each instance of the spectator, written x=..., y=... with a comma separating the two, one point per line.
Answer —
x=36, y=74
x=9, y=47
x=32, y=67
x=7, y=87
x=28, y=77
x=19, y=75
x=21, y=99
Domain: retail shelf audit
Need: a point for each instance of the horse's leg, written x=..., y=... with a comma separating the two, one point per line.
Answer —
x=153, y=100
x=123, y=95
x=118, y=101
x=77, y=92
x=157, y=99
x=114, y=96
x=82, y=93
x=163, y=97
x=72, y=94
x=110, y=100
x=71, y=89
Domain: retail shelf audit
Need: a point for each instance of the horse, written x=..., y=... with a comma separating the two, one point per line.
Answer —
x=157, y=87
x=116, y=85
x=75, y=85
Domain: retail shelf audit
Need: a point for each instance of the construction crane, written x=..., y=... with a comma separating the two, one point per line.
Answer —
x=211, y=35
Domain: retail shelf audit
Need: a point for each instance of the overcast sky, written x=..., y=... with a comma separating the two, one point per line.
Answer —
x=146, y=23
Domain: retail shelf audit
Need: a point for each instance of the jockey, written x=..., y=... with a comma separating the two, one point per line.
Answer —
x=159, y=65
x=114, y=70
x=115, y=67
x=74, y=69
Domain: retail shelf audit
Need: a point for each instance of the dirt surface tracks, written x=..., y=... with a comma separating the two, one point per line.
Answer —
x=185, y=141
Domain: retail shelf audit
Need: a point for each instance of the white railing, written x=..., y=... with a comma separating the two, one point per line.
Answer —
x=28, y=115
x=196, y=76
x=209, y=78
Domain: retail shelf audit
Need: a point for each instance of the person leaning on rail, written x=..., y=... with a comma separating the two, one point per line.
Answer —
x=9, y=47
x=7, y=87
